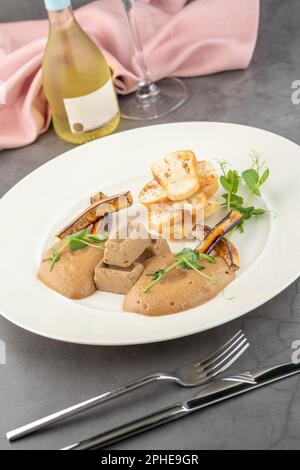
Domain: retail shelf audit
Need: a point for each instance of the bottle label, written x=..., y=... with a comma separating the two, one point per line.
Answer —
x=92, y=111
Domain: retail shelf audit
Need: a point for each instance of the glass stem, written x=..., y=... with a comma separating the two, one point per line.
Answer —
x=146, y=88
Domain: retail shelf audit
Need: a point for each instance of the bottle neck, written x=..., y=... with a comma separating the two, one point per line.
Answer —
x=61, y=19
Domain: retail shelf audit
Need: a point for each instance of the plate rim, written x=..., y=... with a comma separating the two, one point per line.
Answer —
x=209, y=325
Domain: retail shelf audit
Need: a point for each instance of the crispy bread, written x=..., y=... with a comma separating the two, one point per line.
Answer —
x=208, y=178
x=177, y=173
x=153, y=193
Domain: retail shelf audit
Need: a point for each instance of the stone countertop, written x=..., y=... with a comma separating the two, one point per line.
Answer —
x=42, y=375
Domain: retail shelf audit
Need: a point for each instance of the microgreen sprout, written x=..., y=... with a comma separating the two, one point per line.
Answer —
x=253, y=177
x=77, y=241
x=184, y=259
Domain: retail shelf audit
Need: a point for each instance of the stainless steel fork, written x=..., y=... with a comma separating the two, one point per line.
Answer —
x=191, y=375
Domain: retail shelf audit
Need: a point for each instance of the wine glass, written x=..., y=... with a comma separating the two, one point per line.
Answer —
x=151, y=100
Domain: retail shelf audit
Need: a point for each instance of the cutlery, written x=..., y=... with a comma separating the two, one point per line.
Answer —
x=215, y=392
x=191, y=375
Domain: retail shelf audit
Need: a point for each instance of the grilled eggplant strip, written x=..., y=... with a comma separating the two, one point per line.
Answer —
x=95, y=212
x=219, y=231
x=96, y=198
x=102, y=225
x=224, y=248
x=96, y=227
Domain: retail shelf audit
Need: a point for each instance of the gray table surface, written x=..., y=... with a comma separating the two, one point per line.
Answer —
x=42, y=375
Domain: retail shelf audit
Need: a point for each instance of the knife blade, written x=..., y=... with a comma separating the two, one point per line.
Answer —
x=215, y=392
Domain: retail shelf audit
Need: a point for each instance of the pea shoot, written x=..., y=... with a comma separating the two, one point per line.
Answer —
x=253, y=177
x=77, y=241
x=184, y=259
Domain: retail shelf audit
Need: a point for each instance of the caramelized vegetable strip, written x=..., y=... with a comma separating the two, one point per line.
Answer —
x=102, y=225
x=96, y=198
x=96, y=227
x=95, y=212
x=219, y=231
x=226, y=250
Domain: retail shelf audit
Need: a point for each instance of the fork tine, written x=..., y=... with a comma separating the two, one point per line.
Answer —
x=222, y=366
x=220, y=352
x=235, y=347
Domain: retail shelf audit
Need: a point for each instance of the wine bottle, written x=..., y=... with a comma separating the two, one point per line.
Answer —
x=77, y=79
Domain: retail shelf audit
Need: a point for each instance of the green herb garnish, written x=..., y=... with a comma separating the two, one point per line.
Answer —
x=184, y=259
x=77, y=241
x=253, y=177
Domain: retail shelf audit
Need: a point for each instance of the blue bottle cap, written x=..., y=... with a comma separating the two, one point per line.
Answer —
x=55, y=5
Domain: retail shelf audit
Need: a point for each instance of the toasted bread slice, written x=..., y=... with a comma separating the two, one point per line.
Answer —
x=164, y=215
x=166, y=219
x=153, y=193
x=171, y=225
x=200, y=200
x=211, y=207
x=177, y=173
x=208, y=178
x=197, y=203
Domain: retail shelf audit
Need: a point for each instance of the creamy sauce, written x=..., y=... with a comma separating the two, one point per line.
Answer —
x=180, y=289
x=73, y=274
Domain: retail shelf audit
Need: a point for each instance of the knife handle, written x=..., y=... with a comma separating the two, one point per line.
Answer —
x=131, y=429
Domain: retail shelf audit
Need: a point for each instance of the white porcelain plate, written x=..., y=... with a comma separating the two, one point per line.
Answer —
x=47, y=198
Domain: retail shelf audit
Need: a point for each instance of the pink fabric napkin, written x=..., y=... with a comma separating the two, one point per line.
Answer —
x=204, y=37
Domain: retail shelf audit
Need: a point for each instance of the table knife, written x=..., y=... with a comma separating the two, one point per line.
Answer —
x=214, y=393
